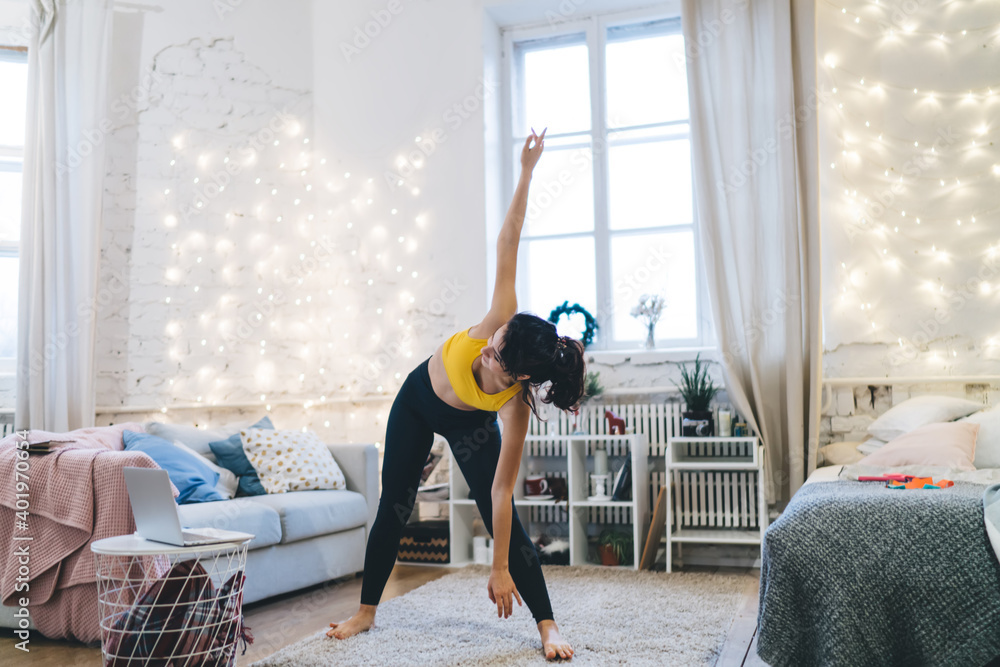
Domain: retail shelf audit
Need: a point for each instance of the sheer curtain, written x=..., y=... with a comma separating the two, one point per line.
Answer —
x=68, y=68
x=751, y=80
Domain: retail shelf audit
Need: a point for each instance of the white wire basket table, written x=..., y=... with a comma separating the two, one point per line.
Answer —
x=169, y=606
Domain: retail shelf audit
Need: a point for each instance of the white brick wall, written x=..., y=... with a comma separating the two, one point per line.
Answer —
x=207, y=263
x=290, y=269
x=850, y=412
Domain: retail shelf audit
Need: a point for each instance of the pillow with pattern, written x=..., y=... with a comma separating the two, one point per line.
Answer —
x=291, y=460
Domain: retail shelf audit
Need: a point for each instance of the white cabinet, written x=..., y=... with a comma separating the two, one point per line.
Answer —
x=714, y=492
x=569, y=456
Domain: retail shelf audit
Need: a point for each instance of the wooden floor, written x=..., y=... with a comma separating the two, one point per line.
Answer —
x=284, y=620
x=740, y=649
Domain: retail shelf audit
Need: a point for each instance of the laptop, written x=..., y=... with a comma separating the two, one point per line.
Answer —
x=156, y=516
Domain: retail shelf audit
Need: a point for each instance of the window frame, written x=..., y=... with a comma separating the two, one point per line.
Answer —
x=594, y=29
x=11, y=160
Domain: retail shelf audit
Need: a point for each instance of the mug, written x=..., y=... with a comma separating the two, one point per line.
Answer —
x=536, y=485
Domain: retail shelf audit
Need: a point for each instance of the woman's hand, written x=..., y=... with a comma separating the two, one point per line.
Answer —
x=502, y=592
x=530, y=154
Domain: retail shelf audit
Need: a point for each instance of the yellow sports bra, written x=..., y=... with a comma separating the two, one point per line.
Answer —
x=458, y=354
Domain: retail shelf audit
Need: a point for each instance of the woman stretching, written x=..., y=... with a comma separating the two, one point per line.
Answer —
x=491, y=368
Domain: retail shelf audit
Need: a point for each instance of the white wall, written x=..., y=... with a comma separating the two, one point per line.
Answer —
x=194, y=95
x=902, y=297
x=379, y=305
x=420, y=75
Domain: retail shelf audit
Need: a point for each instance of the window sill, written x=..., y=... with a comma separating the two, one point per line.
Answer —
x=654, y=356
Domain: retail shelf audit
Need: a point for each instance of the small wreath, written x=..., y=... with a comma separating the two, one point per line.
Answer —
x=590, y=321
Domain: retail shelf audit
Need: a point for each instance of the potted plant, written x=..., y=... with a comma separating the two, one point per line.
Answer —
x=697, y=390
x=592, y=387
x=614, y=547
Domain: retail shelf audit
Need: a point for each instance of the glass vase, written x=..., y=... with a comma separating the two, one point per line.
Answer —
x=651, y=336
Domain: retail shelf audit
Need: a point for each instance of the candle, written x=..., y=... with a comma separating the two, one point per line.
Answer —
x=725, y=423
x=601, y=461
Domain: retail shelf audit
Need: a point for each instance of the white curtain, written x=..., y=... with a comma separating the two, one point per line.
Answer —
x=751, y=81
x=68, y=68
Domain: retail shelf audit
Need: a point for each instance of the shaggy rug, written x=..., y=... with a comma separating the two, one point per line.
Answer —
x=609, y=617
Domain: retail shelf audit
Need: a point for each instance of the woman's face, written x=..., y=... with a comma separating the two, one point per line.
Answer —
x=491, y=351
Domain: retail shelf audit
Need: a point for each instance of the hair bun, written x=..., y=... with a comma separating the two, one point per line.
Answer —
x=561, y=367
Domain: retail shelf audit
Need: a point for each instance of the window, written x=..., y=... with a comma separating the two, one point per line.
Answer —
x=611, y=213
x=14, y=84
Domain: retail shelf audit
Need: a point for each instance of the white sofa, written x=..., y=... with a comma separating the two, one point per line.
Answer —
x=301, y=538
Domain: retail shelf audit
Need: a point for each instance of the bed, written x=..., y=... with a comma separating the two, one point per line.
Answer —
x=854, y=573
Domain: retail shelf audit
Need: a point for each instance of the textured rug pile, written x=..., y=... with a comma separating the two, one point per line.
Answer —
x=609, y=616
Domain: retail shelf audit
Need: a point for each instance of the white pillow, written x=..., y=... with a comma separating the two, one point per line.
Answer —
x=988, y=443
x=920, y=411
x=839, y=454
x=228, y=481
x=870, y=446
x=945, y=445
x=291, y=460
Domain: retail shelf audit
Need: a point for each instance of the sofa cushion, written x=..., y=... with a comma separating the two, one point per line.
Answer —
x=241, y=514
x=228, y=482
x=193, y=478
x=308, y=513
x=229, y=454
x=291, y=460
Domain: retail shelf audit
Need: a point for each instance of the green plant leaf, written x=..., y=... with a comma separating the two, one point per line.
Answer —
x=696, y=388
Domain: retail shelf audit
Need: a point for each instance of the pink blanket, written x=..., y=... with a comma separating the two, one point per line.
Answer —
x=77, y=495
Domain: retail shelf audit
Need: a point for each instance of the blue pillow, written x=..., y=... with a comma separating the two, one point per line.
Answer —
x=195, y=480
x=229, y=454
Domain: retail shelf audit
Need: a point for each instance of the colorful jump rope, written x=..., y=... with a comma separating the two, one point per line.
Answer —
x=899, y=481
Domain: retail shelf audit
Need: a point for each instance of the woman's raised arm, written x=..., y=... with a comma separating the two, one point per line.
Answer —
x=504, y=304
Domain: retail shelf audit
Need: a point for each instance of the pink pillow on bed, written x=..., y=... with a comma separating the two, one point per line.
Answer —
x=949, y=444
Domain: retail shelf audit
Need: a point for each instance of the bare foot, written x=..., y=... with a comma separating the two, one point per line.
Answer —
x=361, y=621
x=553, y=645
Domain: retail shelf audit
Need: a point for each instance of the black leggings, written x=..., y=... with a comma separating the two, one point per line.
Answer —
x=416, y=415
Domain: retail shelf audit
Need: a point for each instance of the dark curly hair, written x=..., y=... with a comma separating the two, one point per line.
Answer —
x=532, y=347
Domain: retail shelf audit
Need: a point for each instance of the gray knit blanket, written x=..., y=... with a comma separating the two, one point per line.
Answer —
x=856, y=574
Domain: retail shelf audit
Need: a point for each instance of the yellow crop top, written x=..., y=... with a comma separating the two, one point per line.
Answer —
x=458, y=354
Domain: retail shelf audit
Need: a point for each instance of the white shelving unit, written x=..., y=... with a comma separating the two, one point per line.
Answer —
x=714, y=493
x=571, y=455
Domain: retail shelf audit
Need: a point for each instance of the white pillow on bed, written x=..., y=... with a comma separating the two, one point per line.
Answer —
x=839, y=454
x=870, y=446
x=920, y=411
x=988, y=442
x=949, y=445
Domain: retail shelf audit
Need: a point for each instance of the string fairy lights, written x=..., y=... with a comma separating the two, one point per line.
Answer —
x=913, y=165
x=271, y=269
